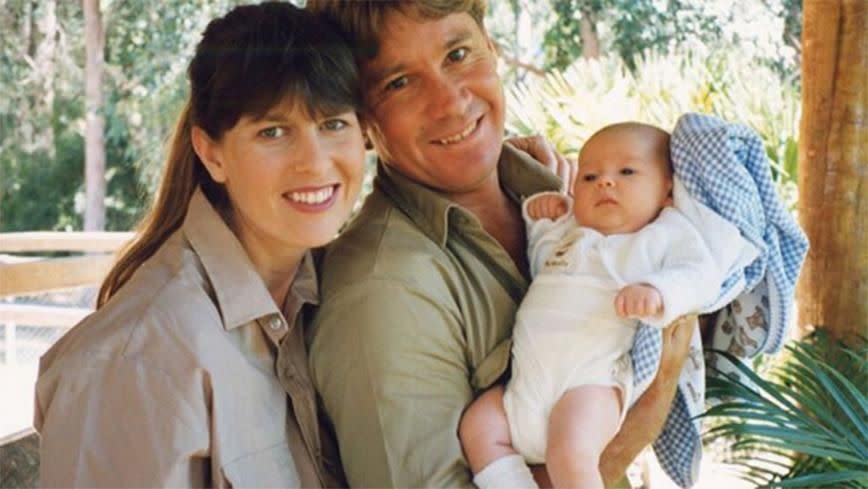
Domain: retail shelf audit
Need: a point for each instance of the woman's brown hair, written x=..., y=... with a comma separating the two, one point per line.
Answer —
x=247, y=61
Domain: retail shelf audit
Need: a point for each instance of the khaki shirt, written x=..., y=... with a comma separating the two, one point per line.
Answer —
x=178, y=382
x=418, y=308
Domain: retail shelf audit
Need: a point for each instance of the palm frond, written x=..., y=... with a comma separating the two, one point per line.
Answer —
x=805, y=423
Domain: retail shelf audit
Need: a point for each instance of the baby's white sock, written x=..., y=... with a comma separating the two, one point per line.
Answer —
x=510, y=472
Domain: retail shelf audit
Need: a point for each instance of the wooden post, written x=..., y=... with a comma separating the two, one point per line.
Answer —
x=833, y=166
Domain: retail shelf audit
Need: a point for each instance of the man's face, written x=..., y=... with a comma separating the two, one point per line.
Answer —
x=435, y=103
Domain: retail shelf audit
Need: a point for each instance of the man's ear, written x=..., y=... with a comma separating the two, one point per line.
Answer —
x=491, y=45
x=209, y=154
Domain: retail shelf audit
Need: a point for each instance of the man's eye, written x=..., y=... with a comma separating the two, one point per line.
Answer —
x=589, y=178
x=457, y=54
x=397, y=83
x=272, y=132
x=627, y=171
x=334, y=124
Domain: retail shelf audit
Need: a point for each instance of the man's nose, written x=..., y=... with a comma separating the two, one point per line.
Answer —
x=448, y=96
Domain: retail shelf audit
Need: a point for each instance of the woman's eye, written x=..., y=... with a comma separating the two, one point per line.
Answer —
x=627, y=171
x=457, y=54
x=272, y=132
x=397, y=83
x=334, y=124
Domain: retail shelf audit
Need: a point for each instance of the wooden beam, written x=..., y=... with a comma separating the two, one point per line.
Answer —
x=57, y=273
x=41, y=241
x=45, y=316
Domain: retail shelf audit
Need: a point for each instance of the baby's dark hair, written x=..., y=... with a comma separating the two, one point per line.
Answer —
x=656, y=135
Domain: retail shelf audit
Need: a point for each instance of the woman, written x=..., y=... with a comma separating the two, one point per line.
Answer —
x=177, y=379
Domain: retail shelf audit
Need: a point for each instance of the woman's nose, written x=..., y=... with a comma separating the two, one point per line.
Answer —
x=309, y=154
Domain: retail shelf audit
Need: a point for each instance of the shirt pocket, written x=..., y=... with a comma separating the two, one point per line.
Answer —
x=269, y=467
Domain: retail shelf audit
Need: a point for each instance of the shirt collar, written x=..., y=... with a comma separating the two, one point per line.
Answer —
x=519, y=174
x=240, y=292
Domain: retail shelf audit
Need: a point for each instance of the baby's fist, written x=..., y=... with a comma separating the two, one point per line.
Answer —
x=639, y=301
x=547, y=206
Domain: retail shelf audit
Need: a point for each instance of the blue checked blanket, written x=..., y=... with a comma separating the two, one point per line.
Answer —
x=724, y=167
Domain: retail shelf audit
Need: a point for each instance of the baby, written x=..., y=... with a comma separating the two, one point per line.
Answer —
x=615, y=253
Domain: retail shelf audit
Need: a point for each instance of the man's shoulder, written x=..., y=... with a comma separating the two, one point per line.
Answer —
x=381, y=243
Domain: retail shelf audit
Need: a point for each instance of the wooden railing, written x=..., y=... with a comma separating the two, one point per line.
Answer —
x=27, y=275
x=24, y=272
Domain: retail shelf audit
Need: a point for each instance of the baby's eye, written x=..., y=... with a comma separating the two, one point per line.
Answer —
x=627, y=171
x=457, y=54
x=397, y=83
x=273, y=132
x=590, y=177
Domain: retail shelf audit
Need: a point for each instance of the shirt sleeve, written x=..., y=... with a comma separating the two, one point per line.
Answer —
x=116, y=422
x=689, y=277
x=543, y=234
x=390, y=366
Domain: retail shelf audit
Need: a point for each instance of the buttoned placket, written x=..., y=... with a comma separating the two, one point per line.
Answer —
x=298, y=386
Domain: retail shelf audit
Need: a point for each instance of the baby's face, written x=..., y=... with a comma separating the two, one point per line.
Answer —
x=622, y=184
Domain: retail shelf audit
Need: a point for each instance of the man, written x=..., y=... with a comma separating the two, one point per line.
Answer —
x=419, y=293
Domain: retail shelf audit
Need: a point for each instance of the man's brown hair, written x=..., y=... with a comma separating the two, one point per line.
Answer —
x=362, y=20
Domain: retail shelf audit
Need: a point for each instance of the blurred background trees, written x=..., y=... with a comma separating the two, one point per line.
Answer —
x=569, y=66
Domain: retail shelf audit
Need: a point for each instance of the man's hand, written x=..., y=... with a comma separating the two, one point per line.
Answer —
x=545, y=153
x=547, y=206
x=638, y=301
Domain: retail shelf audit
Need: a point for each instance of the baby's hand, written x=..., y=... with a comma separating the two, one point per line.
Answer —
x=639, y=301
x=548, y=206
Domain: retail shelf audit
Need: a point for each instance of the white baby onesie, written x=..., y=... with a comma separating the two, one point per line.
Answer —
x=567, y=333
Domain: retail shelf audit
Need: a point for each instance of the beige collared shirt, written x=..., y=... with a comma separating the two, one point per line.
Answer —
x=182, y=378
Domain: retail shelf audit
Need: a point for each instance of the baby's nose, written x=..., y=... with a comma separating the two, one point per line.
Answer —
x=605, y=181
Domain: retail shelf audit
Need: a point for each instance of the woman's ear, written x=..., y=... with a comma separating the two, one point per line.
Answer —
x=209, y=154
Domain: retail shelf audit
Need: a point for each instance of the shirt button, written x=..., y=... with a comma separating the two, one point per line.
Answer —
x=275, y=322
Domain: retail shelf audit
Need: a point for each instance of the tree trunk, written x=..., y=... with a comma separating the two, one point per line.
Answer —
x=94, y=149
x=588, y=33
x=833, y=166
x=46, y=72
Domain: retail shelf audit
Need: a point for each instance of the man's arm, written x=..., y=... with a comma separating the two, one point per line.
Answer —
x=390, y=366
x=645, y=419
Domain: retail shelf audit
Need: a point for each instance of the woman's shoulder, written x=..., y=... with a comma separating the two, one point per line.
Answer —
x=166, y=300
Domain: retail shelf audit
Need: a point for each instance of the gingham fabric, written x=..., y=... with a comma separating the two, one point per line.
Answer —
x=724, y=167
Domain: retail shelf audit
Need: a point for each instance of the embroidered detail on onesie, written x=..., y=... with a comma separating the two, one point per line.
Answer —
x=563, y=259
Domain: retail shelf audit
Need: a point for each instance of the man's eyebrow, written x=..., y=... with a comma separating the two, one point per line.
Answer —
x=378, y=75
x=460, y=37
x=381, y=74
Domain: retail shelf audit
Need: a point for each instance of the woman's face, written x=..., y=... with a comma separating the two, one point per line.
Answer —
x=292, y=180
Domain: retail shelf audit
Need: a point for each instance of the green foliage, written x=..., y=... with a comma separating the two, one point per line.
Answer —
x=568, y=106
x=148, y=45
x=633, y=28
x=806, y=423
